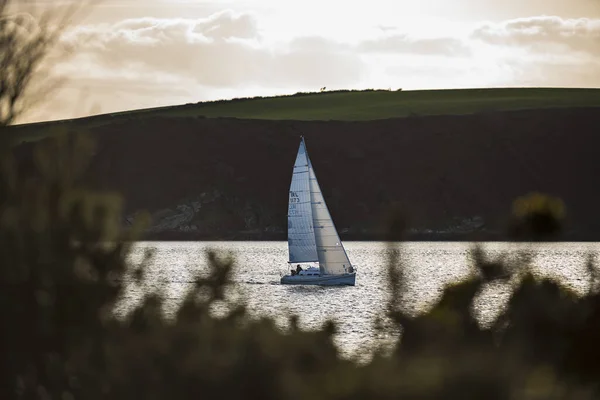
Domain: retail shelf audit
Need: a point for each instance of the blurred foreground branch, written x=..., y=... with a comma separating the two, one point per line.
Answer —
x=26, y=41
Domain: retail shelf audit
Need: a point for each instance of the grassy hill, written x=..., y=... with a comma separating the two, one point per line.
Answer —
x=345, y=105
x=383, y=104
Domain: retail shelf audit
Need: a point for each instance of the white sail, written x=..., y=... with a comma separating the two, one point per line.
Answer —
x=333, y=259
x=301, y=236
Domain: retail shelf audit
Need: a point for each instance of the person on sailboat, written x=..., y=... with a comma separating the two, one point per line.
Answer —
x=298, y=269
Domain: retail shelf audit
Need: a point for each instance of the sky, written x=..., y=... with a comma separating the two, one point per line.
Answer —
x=130, y=54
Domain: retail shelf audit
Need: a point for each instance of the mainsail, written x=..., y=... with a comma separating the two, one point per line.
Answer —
x=333, y=259
x=301, y=235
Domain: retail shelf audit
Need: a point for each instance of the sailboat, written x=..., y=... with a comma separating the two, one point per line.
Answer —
x=312, y=237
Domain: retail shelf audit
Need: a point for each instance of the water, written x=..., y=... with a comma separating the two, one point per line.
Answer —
x=429, y=267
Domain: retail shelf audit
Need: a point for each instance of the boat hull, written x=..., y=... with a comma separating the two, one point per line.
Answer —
x=321, y=280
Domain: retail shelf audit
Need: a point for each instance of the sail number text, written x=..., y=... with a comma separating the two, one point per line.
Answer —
x=294, y=198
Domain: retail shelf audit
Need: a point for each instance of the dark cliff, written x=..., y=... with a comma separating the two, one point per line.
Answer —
x=454, y=177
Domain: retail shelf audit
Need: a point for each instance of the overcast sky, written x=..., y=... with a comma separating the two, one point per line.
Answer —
x=144, y=53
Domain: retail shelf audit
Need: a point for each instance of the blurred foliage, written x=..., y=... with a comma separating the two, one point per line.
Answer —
x=537, y=217
x=64, y=266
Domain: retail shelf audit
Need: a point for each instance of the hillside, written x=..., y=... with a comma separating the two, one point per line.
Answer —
x=343, y=106
x=383, y=104
x=454, y=176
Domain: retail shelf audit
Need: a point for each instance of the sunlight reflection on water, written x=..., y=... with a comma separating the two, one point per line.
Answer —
x=429, y=267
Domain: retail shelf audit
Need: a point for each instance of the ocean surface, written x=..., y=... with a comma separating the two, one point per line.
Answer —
x=428, y=266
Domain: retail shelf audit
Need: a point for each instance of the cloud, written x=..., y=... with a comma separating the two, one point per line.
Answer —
x=544, y=33
x=402, y=43
x=546, y=50
x=228, y=25
x=225, y=49
x=549, y=69
x=228, y=49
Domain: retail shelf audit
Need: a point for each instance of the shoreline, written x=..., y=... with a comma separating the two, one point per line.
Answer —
x=375, y=237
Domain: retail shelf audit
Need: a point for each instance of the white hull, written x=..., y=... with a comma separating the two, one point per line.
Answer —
x=321, y=280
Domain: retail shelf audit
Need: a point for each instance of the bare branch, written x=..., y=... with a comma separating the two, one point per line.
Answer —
x=27, y=38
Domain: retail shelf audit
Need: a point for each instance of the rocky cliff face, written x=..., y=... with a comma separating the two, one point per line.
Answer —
x=202, y=217
x=210, y=215
x=451, y=175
